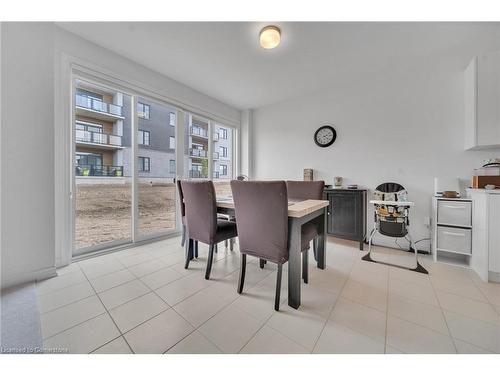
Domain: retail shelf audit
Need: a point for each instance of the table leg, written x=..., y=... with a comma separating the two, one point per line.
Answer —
x=294, y=262
x=321, y=250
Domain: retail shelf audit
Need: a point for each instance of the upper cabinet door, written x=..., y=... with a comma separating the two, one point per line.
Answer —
x=488, y=100
x=482, y=102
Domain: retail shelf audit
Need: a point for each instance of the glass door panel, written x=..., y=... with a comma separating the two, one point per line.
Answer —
x=102, y=167
x=196, y=147
x=222, y=158
x=156, y=168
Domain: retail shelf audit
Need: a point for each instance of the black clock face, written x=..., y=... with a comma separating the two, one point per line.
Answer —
x=325, y=136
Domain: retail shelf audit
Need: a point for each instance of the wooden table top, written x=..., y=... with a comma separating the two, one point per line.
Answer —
x=295, y=209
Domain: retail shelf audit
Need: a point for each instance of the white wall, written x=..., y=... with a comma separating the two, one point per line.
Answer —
x=34, y=84
x=27, y=161
x=406, y=127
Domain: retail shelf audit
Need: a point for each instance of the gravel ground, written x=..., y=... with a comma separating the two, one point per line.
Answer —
x=103, y=212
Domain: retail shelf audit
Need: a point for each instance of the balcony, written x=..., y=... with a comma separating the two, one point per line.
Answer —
x=99, y=171
x=197, y=153
x=98, y=140
x=198, y=132
x=195, y=173
x=96, y=108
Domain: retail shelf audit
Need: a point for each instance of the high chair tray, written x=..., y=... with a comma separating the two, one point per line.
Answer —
x=393, y=203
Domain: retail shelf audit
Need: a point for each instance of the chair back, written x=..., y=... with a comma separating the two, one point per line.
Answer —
x=261, y=209
x=181, y=198
x=201, y=210
x=302, y=190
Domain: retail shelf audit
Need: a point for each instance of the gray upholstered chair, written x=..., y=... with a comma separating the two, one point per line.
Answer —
x=303, y=190
x=202, y=223
x=261, y=210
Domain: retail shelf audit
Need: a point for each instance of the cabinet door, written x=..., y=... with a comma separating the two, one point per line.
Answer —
x=344, y=220
x=488, y=100
x=494, y=234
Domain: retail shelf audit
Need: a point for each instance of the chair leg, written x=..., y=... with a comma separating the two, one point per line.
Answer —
x=243, y=268
x=225, y=244
x=209, y=261
x=305, y=266
x=188, y=251
x=196, y=249
x=183, y=239
x=215, y=248
x=315, y=245
x=278, y=288
x=231, y=244
x=262, y=263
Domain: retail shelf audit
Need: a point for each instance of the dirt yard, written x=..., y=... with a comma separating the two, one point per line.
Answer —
x=104, y=212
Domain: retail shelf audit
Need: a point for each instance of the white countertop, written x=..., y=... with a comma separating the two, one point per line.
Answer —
x=483, y=191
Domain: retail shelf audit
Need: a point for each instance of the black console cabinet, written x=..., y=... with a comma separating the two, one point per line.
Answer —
x=347, y=214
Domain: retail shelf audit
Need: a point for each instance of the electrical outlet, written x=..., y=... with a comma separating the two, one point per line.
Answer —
x=427, y=221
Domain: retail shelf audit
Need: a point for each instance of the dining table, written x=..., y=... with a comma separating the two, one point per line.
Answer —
x=300, y=212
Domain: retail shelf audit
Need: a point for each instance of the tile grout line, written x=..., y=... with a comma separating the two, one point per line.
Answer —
x=333, y=307
x=444, y=316
x=107, y=311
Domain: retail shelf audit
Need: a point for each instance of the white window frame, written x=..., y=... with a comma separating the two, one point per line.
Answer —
x=68, y=68
x=142, y=114
x=141, y=137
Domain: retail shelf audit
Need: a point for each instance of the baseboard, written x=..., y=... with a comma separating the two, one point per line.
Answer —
x=18, y=279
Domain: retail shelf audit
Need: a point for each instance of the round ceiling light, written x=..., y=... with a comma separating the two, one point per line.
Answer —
x=270, y=37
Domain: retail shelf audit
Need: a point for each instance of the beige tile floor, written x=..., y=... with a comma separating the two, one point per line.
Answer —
x=142, y=300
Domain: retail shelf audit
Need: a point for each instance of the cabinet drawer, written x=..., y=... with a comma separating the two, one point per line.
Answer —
x=454, y=239
x=454, y=213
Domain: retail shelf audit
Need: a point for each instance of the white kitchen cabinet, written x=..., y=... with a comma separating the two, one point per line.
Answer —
x=482, y=102
x=452, y=230
x=486, y=233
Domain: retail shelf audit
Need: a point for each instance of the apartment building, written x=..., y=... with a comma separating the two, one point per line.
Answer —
x=99, y=127
x=104, y=139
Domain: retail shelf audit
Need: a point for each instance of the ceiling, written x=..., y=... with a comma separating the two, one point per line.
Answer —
x=224, y=60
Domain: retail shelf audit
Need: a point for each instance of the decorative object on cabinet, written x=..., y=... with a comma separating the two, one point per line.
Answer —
x=308, y=174
x=392, y=219
x=448, y=184
x=482, y=95
x=337, y=182
x=347, y=214
x=452, y=230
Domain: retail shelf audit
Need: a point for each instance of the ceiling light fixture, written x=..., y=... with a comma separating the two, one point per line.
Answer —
x=270, y=37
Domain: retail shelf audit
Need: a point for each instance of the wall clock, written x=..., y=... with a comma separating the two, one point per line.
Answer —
x=325, y=136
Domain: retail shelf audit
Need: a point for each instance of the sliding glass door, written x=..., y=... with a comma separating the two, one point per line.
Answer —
x=124, y=163
x=102, y=167
x=124, y=167
x=156, y=168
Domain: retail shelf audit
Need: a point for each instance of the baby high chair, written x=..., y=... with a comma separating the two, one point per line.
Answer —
x=392, y=219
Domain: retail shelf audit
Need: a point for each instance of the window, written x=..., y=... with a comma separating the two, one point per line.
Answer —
x=223, y=151
x=172, y=119
x=144, y=164
x=88, y=94
x=223, y=169
x=223, y=133
x=172, y=143
x=144, y=138
x=172, y=166
x=143, y=110
x=86, y=126
x=88, y=159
